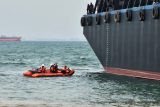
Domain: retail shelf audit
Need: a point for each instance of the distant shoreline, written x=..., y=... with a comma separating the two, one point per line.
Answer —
x=50, y=41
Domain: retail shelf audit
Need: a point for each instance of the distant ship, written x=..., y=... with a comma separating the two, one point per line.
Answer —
x=9, y=39
x=125, y=36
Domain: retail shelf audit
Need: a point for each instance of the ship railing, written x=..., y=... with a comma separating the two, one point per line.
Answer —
x=146, y=7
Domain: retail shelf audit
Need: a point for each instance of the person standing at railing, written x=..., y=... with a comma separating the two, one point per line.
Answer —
x=91, y=8
x=88, y=9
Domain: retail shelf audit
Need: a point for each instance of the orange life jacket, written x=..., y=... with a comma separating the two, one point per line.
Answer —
x=43, y=69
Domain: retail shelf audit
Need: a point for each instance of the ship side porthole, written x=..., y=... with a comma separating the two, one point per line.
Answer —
x=142, y=15
x=129, y=15
x=89, y=20
x=155, y=12
x=107, y=17
x=98, y=19
x=83, y=21
x=117, y=17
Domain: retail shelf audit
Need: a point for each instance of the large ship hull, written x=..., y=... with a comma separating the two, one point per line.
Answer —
x=16, y=39
x=127, y=48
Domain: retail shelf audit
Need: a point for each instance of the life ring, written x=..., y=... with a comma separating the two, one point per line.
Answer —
x=155, y=12
x=83, y=21
x=129, y=15
x=89, y=20
x=98, y=19
x=107, y=17
x=117, y=17
x=142, y=15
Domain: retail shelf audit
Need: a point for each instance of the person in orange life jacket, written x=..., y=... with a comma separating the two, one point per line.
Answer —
x=64, y=69
x=42, y=68
x=56, y=66
x=53, y=68
x=67, y=69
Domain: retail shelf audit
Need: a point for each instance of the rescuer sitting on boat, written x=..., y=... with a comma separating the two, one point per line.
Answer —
x=54, y=68
x=65, y=70
x=42, y=69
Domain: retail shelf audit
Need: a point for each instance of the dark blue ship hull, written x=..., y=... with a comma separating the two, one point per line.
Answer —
x=130, y=48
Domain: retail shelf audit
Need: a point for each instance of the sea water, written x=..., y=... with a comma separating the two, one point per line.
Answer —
x=90, y=86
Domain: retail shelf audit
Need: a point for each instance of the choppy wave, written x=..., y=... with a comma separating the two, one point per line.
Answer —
x=2, y=74
x=12, y=63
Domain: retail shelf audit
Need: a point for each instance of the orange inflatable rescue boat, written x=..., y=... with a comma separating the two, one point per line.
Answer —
x=59, y=73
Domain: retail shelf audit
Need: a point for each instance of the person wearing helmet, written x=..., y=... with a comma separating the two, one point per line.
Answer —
x=43, y=69
x=52, y=68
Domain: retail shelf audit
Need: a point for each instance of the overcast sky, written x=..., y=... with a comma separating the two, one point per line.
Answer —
x=42, y=19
